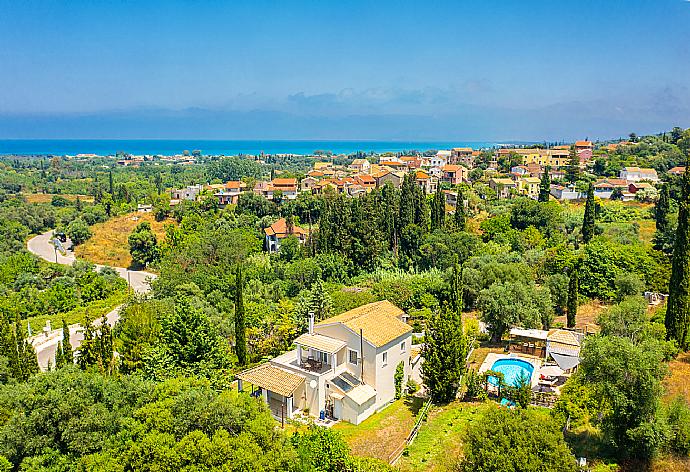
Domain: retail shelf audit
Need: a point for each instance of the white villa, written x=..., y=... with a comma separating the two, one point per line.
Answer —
x=343, y=368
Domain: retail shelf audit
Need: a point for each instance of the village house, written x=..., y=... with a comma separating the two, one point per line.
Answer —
x=635, y=187
x=411, y=162
x=440, y=159
x=504, y=187
x=584, y=146
x=229, y=192
x=343, y=368
x=360, y=166
x=604, y=188
x=425, y=181
x=636, y=174
x=565, y=193
x=366, y=181
x=543, y=157
x=288, y=188
x=529, y=186
x=395, y=178
x=454, y=174
x=308, y=183
x=188, y=193
x=281, y=230
x=678, y=170
x=463, y=156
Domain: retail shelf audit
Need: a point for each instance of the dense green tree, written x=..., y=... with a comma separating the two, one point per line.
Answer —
x=143, y=244
x=78, y=231
x=240, y=326
x=88, y=354
x=443, y=354
x=627, y=319
x=504, y=305
x=138, y=330
x=573, y=294
x=678, y=307
x=627, y=377
x=515, y=441
x=588, y=221
x=545, y=185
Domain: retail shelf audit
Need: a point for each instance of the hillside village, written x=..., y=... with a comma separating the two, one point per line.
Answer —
x=397, y=305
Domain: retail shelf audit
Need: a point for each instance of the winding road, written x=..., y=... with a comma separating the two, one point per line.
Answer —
x=46, y=343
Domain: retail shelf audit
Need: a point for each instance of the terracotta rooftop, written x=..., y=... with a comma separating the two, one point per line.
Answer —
x=379, y=321
x=279, y=229
x=272, y=378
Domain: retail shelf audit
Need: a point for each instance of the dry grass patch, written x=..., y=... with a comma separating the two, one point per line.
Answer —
x=47, y=197
x=678, y=381
x=587, y=315
x=479, y=354
x=647, y=229
x=109, y=244
x=381, y=434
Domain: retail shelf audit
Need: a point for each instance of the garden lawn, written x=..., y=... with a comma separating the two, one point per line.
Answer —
x=439, y=442
x=109, y=244
x=384, y=432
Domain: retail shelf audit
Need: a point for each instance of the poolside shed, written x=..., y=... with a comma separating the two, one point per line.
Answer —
x=563, y=346
x=528, y=341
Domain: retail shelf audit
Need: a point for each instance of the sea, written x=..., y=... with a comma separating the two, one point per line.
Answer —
x=105, y=147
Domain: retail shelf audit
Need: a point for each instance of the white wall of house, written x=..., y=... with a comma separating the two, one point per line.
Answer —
x=396, y=351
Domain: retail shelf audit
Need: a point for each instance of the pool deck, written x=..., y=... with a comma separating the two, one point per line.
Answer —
x=535, y=361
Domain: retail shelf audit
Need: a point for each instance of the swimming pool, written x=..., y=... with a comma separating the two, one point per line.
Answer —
x=512, y=370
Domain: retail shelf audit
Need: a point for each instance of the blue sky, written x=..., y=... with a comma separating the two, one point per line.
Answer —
x=479, y=70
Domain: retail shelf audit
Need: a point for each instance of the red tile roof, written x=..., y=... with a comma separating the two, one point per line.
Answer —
x=279, y=229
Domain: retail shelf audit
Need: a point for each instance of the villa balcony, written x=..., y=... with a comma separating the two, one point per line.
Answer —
x=307, y=366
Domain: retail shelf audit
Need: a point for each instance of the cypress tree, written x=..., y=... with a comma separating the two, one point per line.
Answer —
x=26, y=355
x=589, y=218
x=661, y=211
x=406, y=214
x=67, y=353
x=442, y=353
x=88, y=350
x=459, y=217
x=572, y=171
x=8, y=348
x=456, y=306
x=678, y=307
x=545, y=185
x=573, y=292
x=59, y=359
x=438, y=210
x=110, y=182
x=240, y=328
x=104, y=346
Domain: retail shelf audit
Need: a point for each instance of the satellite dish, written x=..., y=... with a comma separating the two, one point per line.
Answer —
x=313, y=384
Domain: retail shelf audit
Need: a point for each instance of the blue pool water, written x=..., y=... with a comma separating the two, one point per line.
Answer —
x=512, y=370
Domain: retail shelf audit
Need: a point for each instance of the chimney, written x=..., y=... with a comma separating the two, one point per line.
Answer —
x=311, y=322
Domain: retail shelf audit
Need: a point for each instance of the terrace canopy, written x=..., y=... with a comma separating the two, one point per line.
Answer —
x=320, y=343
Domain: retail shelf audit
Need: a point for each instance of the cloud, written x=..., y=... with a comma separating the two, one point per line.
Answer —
x=373, y=113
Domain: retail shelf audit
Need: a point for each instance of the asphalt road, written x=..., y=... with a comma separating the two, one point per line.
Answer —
x=46, y=342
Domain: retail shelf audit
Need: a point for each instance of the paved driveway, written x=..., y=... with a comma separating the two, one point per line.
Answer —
x=46, y=343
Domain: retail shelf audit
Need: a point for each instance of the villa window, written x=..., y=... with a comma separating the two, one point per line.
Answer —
x=385, y=359
x=352, y=356
x=402, y=346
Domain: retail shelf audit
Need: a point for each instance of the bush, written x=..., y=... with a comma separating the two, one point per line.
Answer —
x=78, y=231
